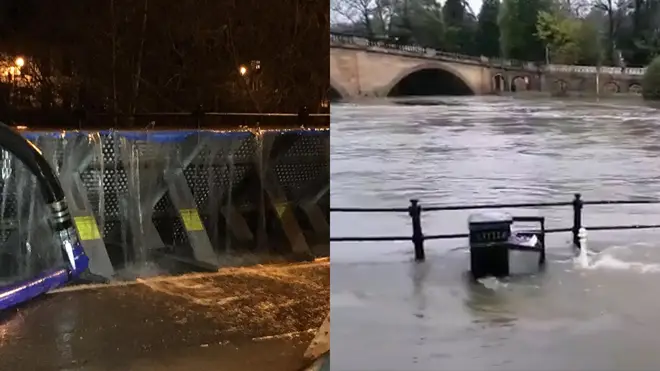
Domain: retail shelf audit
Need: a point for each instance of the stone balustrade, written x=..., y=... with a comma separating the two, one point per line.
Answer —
x=563, y=68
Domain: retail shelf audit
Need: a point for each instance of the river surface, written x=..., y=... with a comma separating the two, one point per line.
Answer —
x=389, y=313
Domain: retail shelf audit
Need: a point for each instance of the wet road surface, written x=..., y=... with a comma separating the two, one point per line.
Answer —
x=392, y=314
x=255, y=318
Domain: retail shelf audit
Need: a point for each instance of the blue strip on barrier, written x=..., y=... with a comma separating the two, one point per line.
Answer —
x=152, y=136
x=298, y=132
x=32, y=136
x=23, y=291
x=313, y=132
x=158, y=136
x=225, y=134
x=163, y=136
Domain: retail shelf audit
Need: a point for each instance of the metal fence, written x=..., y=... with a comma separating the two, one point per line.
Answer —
x=203, y=196
x=418, y=237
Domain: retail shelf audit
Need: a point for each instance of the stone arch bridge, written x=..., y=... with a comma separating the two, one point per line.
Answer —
x=361, y=67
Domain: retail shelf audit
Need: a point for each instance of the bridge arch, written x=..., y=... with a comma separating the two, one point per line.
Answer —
x=635, y=88
x=560, y=86
x=429, y=79
x=336, y=92
x=520, y=83
x=499, y=83
x=611, y=87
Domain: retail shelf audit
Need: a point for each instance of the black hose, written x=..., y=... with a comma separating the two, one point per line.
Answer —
x=17, y=293
x=31, y=157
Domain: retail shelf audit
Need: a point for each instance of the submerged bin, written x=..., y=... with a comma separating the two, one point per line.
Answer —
x=489, y=254
x=497, y=249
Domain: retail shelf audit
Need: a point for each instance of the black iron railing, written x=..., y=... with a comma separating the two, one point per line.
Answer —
x=418, y=237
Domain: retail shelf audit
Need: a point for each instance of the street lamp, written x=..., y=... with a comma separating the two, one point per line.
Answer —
x=20, y=62
x=242, y=70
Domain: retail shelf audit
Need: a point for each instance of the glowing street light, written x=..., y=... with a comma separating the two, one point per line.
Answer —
x=242, y=70
x=20, y=62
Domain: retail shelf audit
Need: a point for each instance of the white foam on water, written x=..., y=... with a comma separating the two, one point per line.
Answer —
x=492, y=283
x=611, y=259
x=608, y=261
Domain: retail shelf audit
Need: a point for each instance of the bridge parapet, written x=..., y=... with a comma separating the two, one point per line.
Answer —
x=563, y=68
x=391, y=47
x=388, y=46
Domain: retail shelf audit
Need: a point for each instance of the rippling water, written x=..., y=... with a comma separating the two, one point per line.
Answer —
x=392, y=314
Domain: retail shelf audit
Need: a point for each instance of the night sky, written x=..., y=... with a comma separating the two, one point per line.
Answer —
x=145, y=55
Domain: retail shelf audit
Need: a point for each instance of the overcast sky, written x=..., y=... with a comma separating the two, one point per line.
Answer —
x=476, y=5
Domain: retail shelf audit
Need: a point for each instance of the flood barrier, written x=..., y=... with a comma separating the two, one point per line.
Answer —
x=207, y=198
x=418, y=237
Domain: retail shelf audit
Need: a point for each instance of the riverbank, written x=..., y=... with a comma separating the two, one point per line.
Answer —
x=252, y=318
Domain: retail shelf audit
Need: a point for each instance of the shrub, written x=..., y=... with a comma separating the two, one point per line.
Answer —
x=651, y=81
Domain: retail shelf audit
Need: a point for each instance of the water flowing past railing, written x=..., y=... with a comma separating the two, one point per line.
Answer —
x=418, y=237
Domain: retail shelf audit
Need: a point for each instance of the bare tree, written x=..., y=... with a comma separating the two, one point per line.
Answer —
x=576, y=8
x=356, y=12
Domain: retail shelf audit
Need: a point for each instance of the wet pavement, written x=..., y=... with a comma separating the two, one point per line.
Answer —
x=255, y=318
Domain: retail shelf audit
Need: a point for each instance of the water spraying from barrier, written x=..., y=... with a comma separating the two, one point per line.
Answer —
x=31, y=228
x=96, y=142
x=7, y=255
x=231, y=167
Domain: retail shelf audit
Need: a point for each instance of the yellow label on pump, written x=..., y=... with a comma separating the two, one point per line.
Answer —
x=87, y=228
x=191, y=220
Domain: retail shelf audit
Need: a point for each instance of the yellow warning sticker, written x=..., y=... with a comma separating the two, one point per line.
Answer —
x=191, y=220
x=280, y=208
x=87, y=228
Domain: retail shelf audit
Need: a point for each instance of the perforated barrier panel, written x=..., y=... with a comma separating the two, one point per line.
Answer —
x=207, y=197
